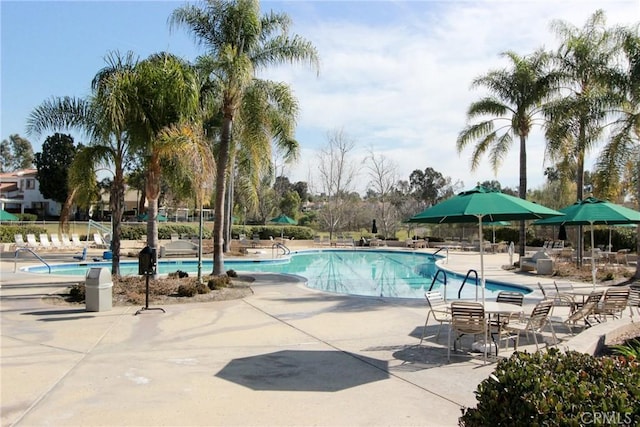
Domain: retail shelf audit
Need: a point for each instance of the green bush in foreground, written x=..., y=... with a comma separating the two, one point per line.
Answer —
x=558, y=389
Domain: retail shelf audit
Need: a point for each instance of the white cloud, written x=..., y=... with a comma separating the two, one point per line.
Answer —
x=403, y=87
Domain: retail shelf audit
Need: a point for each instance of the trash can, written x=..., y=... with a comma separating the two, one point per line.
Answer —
x=98, y=290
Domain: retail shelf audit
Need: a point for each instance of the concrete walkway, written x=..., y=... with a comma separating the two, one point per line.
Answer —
x=287, y=355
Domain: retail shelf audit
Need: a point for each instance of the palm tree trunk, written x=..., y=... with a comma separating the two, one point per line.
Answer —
x=221, y=175
x=117, y=210
x=522, y=193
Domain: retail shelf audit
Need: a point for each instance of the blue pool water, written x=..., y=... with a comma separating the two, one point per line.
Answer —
x=361, y=272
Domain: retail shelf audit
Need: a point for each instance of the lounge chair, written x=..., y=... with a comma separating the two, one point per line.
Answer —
x=20, y=243
x=467, y=318
x=44, y=242
x=534, y=323
x=55, y=242
x=438, y=309
x=99, y=242
x=32, y=242
x=67, y=243
x=76, y=241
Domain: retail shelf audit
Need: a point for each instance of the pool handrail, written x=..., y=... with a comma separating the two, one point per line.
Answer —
x=444, y=282
x=446, y=248
x=15, y=258
x=278, y=245
x=465, y=281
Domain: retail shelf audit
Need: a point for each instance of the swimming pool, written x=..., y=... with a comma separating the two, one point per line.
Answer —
x=384, y=273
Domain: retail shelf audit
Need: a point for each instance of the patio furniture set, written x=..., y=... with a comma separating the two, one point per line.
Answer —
x=498, y=322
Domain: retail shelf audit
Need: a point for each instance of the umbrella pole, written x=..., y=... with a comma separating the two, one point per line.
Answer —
x=481, y=256
x=593, y=260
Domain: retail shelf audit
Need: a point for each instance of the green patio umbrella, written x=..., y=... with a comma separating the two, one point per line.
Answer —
x=284, y=220
x=482, y=205
x=160, y=217
x=6, y=216
x=592, y=211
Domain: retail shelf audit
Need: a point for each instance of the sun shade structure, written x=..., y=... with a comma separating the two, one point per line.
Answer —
x=7, y=216
x=592, y=211
x=159, y=217
x=482, y=205
x=283, y=219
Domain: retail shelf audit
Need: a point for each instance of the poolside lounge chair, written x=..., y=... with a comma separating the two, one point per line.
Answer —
x=76, y=240
x=55, y=242
x=534, y=323
x=44, y=241
x=32, y=242
x=20, y=243
x=467, y=318
x=67, y=243
x=99, y=242
x=438, y=309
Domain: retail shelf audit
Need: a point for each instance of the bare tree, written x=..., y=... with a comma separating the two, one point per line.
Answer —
x=383, y=174
x=337, y=173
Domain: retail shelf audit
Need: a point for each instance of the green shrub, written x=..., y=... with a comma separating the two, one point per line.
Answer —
x=187, y=290
x=232, y=273
x=218, y=282
x=8, y=232
x=630, y=349
x=555, y=388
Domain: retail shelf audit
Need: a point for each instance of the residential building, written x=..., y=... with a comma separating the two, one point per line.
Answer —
x=20, y=193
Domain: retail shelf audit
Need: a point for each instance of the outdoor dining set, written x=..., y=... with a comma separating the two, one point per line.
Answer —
x=495, y=323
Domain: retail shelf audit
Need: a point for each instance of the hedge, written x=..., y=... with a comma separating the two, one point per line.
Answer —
x=558, y=389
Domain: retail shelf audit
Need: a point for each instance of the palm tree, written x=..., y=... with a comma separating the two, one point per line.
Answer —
x=102, y=117
x=239, y=43
x=624, y=143
x=165, y=92
x=584, y=63
x=518, y=93
x=576, y=119
x=194, y=166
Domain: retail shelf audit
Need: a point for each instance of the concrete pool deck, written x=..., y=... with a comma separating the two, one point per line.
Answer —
x=286, y=355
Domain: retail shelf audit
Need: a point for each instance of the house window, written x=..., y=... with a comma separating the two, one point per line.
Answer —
x=31, y=184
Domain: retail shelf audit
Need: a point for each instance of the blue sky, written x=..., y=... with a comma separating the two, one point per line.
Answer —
x=395, y=75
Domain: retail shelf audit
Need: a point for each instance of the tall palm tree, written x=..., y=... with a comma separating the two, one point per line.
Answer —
x=584, y=64
x=511, y=111
x=576, y=119
x=624, y=143
x=239, y=42
x=102, y=117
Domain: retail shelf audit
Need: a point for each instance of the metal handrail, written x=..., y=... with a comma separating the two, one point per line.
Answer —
x=444, y=282
x=15, y=258
x=465, y=281
x=285, y=250
x=446, y=248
